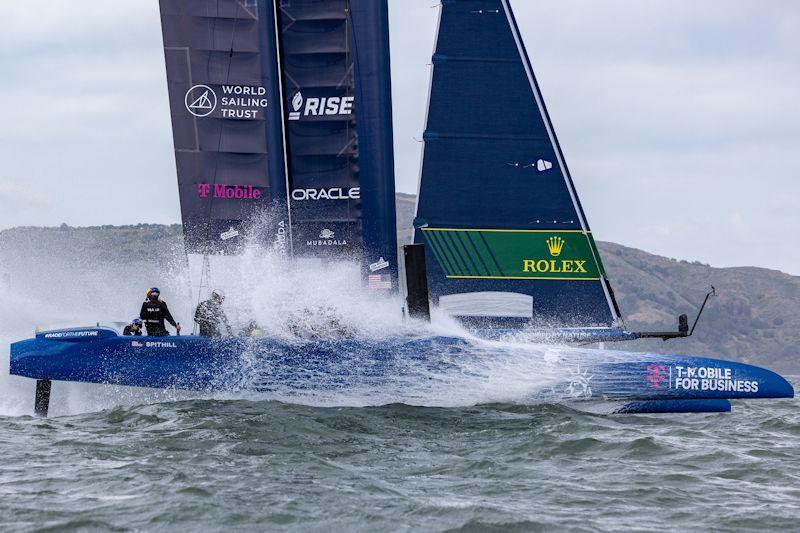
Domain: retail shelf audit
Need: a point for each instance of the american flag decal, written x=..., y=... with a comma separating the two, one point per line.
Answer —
x=379, y=281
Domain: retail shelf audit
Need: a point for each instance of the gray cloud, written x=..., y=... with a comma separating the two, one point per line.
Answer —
x=679, y=118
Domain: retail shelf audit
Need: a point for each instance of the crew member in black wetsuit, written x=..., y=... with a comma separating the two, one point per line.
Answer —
x=134, y=328
x=154, y=313
x=211, y=318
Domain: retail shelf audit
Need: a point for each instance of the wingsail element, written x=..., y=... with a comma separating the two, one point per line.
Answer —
x=507, y=239
x=284, y=109
x=224, y=92
x=337, y=101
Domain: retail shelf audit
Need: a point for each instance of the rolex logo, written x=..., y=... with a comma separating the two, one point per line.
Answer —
x=570, y=268
x=555, y=245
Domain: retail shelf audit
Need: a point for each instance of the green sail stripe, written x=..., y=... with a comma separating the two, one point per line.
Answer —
x=459, y=237
x=447, y=252
x=462, y=266
x=483, y=254
x=429, y=238
x=485, y=270
x=441, y=254
x=489, y=249
x=556, y=254
x=596, y=252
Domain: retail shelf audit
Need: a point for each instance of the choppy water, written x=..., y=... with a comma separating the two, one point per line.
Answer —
x=234, y=464
x=126, y=459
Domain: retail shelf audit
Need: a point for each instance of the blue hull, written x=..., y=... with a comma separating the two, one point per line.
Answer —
x=99, y=355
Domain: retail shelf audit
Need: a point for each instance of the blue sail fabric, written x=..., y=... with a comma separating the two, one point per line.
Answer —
x=337, y=108
x=224, y=92
x=506, y=237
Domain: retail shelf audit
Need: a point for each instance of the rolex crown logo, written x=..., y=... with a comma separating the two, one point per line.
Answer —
x=555, y=245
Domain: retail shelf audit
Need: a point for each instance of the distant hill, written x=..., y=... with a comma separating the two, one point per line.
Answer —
x=755, y=318
x=406, y=206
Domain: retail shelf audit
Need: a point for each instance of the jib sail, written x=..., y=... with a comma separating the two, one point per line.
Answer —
x=506, y=236
x=338, y=130
x=224, y=91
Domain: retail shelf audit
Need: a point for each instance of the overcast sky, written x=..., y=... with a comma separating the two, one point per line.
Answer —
x=680, y=119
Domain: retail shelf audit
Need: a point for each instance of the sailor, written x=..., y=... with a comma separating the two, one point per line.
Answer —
x=134, y=328
x=211, y=318
x=154, y=312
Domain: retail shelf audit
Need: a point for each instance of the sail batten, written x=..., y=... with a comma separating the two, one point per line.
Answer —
x=433, y=135
x=441, y=59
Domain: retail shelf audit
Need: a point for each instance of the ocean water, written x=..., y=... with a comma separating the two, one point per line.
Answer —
x=468, y=449
x=223, y=465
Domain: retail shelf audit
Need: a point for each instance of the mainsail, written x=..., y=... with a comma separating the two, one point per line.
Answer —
x=224, y=90
x=506, y=236
x=337, y=100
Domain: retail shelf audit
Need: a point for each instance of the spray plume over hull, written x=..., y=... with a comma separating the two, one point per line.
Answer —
x=387, y=360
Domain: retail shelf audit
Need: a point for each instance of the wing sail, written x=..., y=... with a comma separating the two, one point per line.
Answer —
x=337, y=102
x=497, y=207
x=224, y=92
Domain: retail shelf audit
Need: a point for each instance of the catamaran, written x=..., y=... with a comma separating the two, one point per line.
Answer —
x=282, y=125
